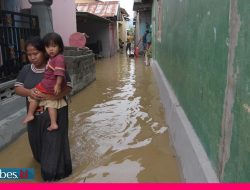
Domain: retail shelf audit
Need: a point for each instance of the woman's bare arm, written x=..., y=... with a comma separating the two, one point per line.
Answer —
x=63, y=93
x=21, y=91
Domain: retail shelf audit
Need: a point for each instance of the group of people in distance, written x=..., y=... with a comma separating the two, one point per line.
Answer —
x=145, y=39
x=128, y=44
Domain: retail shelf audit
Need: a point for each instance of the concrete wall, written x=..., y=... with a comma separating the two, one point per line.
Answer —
x=202, y=48
x=121, y=32
x=90, y=28
x=13, y=5
x=113, y=38
x=64, y=18
x=25, y=4
x=85, y=1
x=98, y=30
x=137, y=29
x=81, y=67
x=143, y=18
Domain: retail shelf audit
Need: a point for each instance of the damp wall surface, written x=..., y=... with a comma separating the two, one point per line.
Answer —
x=202, y=48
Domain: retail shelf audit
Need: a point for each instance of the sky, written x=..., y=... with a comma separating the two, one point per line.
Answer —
x=127, y=5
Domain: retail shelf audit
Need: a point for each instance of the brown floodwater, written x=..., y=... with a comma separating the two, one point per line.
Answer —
x=117, y=129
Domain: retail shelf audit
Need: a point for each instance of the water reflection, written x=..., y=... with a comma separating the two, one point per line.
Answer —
x=122, y=172
x=117, y=128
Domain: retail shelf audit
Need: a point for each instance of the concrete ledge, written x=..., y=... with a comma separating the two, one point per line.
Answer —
x=193, y=159
x=6, y=89
x=11, y=128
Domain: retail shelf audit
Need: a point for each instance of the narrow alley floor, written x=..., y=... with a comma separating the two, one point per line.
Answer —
x=117, y=129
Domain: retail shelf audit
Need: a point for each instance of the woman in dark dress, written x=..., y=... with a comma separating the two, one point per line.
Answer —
x=49, y=148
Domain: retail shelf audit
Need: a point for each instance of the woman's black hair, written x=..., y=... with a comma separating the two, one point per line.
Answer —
x=36, y=42
x=53, y=38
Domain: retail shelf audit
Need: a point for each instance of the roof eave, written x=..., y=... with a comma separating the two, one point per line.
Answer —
x=95, y=17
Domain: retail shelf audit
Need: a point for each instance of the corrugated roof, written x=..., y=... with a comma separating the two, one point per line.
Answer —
x=102, y=9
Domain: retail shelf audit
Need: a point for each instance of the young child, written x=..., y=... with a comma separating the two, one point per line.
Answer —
x=53, y=82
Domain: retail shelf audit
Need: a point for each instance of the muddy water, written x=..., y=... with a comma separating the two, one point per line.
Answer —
x=118, y=132
x=117, y=129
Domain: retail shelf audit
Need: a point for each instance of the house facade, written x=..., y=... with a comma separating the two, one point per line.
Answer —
x=104, y=24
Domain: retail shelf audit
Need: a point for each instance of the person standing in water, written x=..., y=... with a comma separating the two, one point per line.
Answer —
x=53, y=82
x=50, y=149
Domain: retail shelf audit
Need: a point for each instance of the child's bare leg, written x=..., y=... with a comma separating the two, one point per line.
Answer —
x=31, y=110
x=53, y=118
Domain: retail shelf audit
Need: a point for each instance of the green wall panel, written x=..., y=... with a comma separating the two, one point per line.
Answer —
x=193, y=55
x=238, y=166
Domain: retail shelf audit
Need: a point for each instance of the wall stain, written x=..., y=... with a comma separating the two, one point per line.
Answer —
x=246, y=107
x=227, y=120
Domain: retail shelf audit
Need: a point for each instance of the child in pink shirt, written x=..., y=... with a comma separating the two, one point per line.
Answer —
x=53, y=82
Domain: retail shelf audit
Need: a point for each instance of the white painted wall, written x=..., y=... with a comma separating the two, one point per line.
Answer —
x=64, y=18
x=121, y=32
x=85, y=1
x=25, y=4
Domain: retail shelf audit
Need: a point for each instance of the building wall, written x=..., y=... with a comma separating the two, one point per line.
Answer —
x=64, y=18
x=13, y=5
x=121, y=32
x=202, y=48
x=113, y=38
x=81, y=67
x=85, y=1
x=143, y=19
x=25, y=4
x=90, y=27
x=137, y=29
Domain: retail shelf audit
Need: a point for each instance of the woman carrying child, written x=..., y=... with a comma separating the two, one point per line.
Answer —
x=53, y=82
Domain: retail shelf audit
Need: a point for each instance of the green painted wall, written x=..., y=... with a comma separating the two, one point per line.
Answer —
x=238, y=166
x=193, y=54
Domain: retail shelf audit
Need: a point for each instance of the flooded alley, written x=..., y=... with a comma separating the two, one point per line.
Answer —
x=117, y=129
